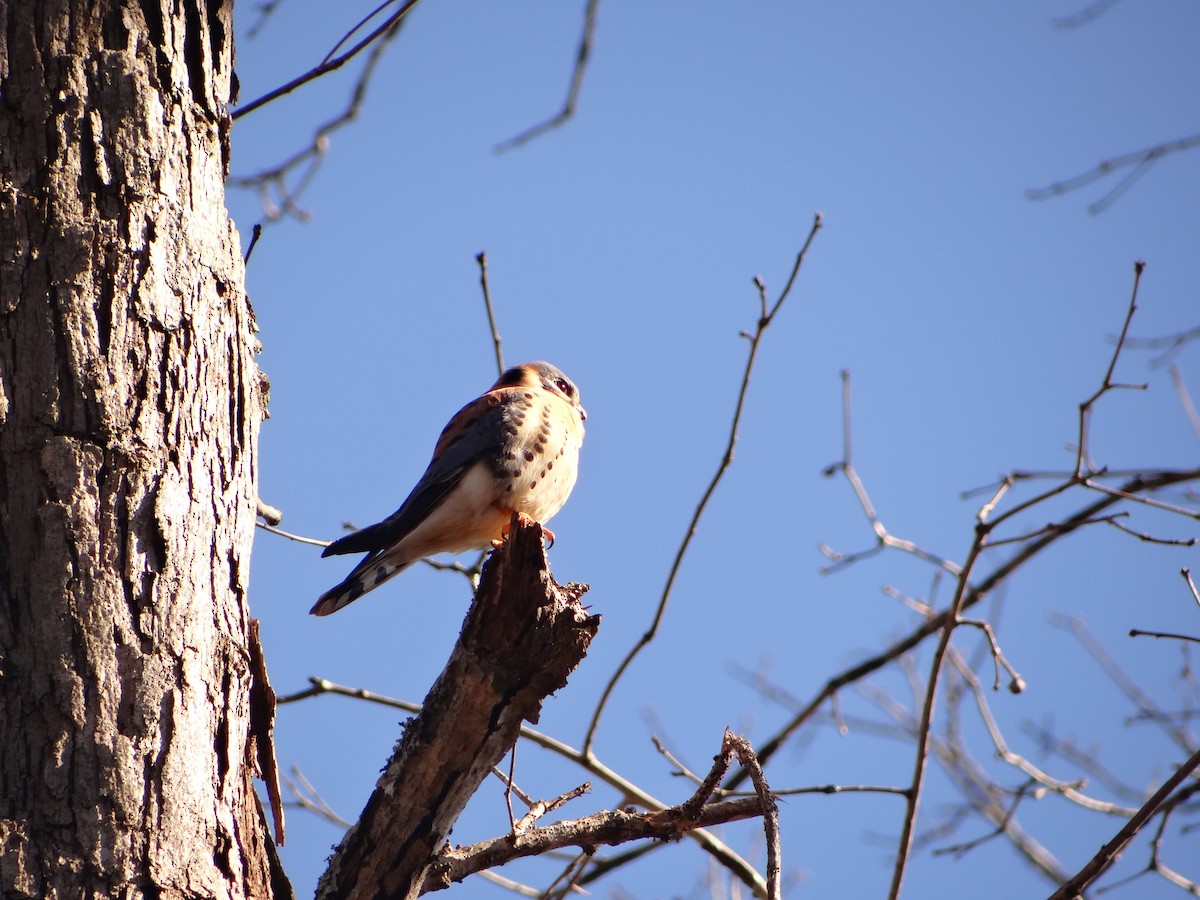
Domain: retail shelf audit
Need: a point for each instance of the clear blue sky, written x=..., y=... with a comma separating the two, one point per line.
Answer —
x=622, y=248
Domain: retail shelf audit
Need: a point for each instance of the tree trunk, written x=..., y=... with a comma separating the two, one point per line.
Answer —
x=130, y=404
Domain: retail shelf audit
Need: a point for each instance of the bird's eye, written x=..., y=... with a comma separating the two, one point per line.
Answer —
x=565, y=386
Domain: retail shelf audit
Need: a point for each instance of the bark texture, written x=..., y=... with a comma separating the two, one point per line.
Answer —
x=521, y=639
x=130, y=404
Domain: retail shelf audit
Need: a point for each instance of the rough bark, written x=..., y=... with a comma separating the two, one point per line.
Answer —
x=130, y=403
x=521, y=639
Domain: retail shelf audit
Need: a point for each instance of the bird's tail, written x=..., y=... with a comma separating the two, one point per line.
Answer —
x=367, y=575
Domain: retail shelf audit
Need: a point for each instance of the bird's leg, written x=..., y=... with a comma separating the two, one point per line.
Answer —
x=525, y=520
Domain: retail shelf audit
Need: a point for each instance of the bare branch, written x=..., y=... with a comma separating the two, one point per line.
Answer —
x=1085, y=408
x=1149, y=538
x=331, y=63
x=1075, y=886
x=568, y=109
x=299, y=538
x=951, y=619
x=491, y=313
x=1139, y=163
x=305, y=796
x=1169, y=344
x=1187, y=576
x=1130, y=688
x=1137, y=632
x=1016, y=683
x=1148, y=481
x=1089, y=13
x=726, y=459
x=255, y=234
x=276, y=178
x=883, y=538
x=984, y=796
x=588, y=761
x=745, y=755
x=1185, y=400
x=620, y=827
x=605, y=828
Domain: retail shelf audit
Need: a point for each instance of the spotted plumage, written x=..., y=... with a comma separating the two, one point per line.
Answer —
x=514, y=449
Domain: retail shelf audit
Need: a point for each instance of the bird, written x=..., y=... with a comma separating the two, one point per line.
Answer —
x=513, y=449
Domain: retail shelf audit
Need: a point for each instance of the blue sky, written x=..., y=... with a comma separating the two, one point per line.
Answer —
x=622, y=248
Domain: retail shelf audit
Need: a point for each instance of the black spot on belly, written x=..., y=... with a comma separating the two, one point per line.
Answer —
x=529, y=456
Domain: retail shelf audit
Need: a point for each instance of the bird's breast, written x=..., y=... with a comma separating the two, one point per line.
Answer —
x=538, y=459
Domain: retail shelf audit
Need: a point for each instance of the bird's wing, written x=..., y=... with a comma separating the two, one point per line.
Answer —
x=477, y=431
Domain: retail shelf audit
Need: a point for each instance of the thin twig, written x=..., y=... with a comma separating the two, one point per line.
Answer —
x=1089, y=13
x=328, y=64
x=1017, y=684
x=299, y=538
x=1130, y=688
x=1137, y=632
x=1085, y=408
x=1187, y=576
x=1140, y=162
x=275, y=178
x=568, y=109
x=1169, y=344
x=1150, y=538
x=765, y=320
x=883, y=538
x=1185, y=400
x=255, y=234
x=984, y=794
x=1148, y=481
x=481, y=258
x=1071, y=791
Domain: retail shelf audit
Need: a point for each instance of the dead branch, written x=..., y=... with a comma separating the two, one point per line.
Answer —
x=521, y=639
x=722, y=854
x=610, y=828
x=622, y=826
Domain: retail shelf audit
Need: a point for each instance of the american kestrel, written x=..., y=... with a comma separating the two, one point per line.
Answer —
x=515, y=449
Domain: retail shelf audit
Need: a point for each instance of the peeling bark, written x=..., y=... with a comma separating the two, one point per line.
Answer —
x=130, y=403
